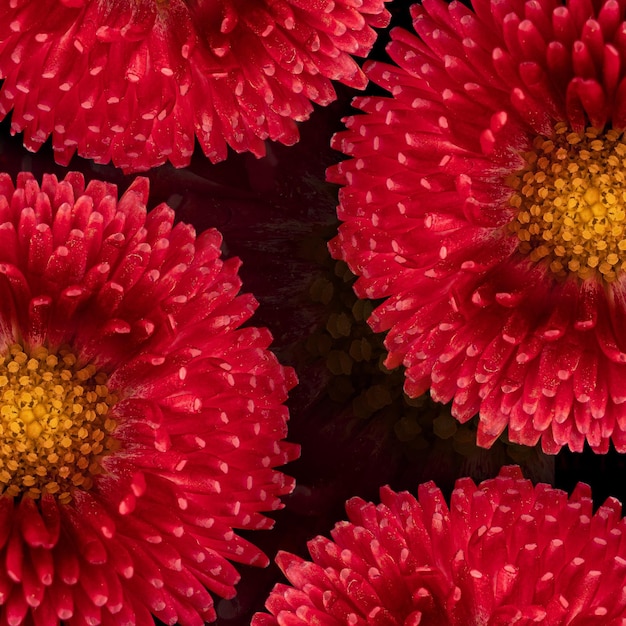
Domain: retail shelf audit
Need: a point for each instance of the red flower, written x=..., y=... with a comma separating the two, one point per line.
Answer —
x=139, y=425
x=485, y=201
x=503, y=553
x=135, y=82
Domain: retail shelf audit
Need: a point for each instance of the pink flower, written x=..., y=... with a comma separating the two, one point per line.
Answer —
x=485, y=202
x=139, y=425
x=503, y=553
x=136, y=82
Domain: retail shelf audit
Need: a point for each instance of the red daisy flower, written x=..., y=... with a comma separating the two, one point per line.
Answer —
x=486, y=201
x=503, y=553
x=134, y=82
x=138, y=425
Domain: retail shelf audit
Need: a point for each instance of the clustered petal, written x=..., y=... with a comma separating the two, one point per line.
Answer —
x=455, y=184
x=199, y=409
x=135, y=81
x=504, y=552
x=368, y=397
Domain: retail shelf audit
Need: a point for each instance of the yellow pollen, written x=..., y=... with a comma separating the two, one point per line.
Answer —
x=571, y=203
x=54, y=424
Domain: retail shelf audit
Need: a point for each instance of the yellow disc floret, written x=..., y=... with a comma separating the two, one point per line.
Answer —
x=571, y=203
x=54, y=424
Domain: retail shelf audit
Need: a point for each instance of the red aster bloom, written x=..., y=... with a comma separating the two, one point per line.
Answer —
x=503, y=553
x=138, y=424
x=486, y=201
x=136, y=81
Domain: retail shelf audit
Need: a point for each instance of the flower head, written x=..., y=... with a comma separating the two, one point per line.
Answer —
x=486, y=201
x=139, y=425
x=502, y=553
x=136, y=82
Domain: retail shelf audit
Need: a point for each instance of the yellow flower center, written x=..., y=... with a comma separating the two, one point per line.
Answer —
x=571, y=202
x=54, y=428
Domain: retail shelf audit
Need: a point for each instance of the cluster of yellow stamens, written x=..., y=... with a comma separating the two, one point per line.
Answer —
x=54, y=427
x=571, y=202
